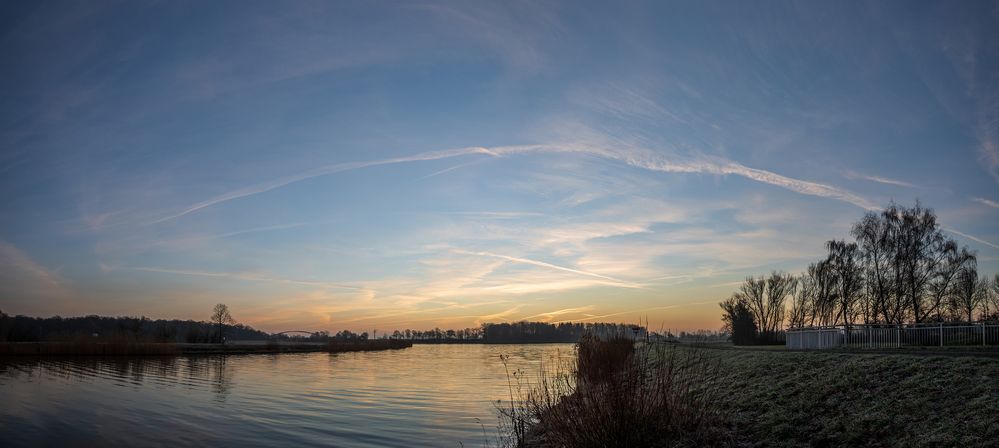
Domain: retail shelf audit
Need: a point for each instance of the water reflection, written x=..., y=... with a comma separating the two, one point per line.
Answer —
x=422, y=396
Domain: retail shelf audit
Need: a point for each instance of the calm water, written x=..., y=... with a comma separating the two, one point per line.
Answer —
x=427, y=395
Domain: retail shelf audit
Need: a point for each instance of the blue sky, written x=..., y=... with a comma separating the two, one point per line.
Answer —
x=361, y=165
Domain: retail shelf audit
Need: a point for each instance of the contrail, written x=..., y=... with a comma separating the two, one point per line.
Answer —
x=644, y=159
x=972, y=238
x=248, y=277
x=550, y=266
x=321, y=171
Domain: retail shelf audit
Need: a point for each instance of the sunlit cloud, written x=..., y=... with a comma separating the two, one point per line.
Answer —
x=637, y=313
x=360, y=166
x=549, y=315
x=614, y=281
x=500, y=316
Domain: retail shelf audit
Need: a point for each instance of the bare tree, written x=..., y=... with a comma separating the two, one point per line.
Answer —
x=843, y=260
x=941, y=289
x=909, y=263
x=822, y=284
x=766, y=298
x=877, y=243
x=801, y=302
x=991, y=298
x=221, y=317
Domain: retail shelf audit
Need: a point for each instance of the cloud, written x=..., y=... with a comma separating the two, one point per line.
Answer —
x=499, y=316
x=639, y=158
x=548, y=316
x=249, y=277
x=28, y=286
x=642, y=310
x=881, y=180
x=497, y=215
x=321, y=171
x=449, y=169
x=615, y=281
x=972, y=238
x=13, y=259
x=987, y=202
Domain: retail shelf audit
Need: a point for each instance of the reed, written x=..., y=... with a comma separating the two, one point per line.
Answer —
x=615, y=394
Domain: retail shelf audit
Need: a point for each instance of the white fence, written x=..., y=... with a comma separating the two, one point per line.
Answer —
x=894, y=336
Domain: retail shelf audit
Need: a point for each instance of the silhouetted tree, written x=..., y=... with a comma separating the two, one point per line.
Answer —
x=968, y=294
x=765, y=297
x=992, y=299
x=221, y=318
x=847, y=277
x=801, y=303
x=876, y=240
x=738, y=320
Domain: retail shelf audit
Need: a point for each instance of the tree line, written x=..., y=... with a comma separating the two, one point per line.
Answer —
x=516, y=332
x=900, y=268
x=545, y=332
x=221, y=326
x=33, y=329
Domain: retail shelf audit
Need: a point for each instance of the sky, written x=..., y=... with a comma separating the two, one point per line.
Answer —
x=388, y=165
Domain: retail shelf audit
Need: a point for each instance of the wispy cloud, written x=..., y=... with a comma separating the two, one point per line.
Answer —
x=498, y=215
x=638, y=312
x=12, y=258
x=543, y=264
x=881, y=180
x=500, y=315
x=640, y=158
x=248, y=277
x=321, y=171
x=29, y=286
x=972, y=238
x=449, y=169
x=987, y=202
x=549, y=315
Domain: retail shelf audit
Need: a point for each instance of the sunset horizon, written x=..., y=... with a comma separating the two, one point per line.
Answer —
x=334, y=166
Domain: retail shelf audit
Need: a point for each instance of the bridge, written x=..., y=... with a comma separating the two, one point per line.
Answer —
x=309, y=333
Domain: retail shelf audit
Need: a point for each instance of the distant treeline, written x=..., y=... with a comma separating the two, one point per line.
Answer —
x=499, y=333
x=33, y=329
x=520, y=332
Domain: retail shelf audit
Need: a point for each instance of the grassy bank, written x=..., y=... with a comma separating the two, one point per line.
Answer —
x=681, y=396
x=134, y=348
x=846, y=399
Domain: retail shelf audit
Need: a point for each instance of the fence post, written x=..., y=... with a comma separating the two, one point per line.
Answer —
x=983, y=333
x=898, y=337
x=941, y=334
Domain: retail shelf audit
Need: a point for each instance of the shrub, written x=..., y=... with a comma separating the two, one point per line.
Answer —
x=617, y=395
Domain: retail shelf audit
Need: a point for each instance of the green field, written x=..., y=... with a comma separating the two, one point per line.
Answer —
x=779, y=398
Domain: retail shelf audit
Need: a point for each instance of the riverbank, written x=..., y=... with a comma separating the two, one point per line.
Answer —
x=773, y=398
x=88, y=348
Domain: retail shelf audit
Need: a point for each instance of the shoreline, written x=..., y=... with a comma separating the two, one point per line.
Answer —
x=15, y=349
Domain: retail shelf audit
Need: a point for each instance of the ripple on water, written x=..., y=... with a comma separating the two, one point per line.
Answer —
x=427, y=395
